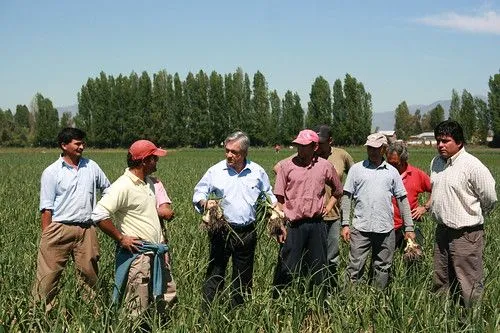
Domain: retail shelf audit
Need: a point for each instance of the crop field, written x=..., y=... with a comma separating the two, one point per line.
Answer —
x=407, y=305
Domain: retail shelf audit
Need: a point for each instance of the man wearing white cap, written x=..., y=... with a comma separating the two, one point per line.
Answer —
x=140, y=266
x=300, y=190
x=371, y=184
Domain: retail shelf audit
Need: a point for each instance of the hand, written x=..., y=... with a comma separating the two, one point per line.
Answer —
x=410, y=235
x=130, y=243
x=417, y=213
x=211, y=203
x=281, y=238
x=346, y=233
x=277, y=213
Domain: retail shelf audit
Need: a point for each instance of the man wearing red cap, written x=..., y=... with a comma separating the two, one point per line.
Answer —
x=300, y=190
x=131, y=203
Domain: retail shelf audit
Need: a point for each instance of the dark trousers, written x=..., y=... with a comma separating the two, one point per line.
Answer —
x=240, y=246
x=304, y=252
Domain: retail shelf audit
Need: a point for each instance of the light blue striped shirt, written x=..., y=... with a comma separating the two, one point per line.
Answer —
x=70, y=193
x=239, y=191
x=372, y=189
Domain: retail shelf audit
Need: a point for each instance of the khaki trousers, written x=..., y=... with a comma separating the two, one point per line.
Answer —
x=138, y=292
x=58, y=243
x=458, y=261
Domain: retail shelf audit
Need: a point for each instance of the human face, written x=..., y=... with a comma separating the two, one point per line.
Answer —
x=394, y=160
x=73, y=149
x=306, y=152
x=150, y=164
x=375, y=155
x=447, y=146
x=324, y=149
x=235, y=156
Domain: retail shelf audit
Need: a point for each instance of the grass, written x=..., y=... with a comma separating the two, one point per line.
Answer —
x=406, y=306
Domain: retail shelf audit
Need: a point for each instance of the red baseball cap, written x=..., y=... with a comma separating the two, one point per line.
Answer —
x=305, y=137
x=144, y=148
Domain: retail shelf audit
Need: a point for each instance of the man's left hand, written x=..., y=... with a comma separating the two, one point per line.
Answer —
x=417, y=213
x=410, y=235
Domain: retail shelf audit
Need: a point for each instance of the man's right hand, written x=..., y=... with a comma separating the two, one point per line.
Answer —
x=281, y=238
x=346, y=233
x=130, y=243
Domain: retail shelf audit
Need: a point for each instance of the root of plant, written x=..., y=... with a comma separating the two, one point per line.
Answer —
x=413, y=251
x=213, y=219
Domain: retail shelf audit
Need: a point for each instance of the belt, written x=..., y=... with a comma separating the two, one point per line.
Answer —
x=307, y=220
x=243, y=228
x=464, y=229
x=84, y=225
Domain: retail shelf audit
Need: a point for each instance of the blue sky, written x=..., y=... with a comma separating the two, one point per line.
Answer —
x=415, y=51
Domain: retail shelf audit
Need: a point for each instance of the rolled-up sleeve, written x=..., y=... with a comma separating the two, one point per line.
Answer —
x=48, y=184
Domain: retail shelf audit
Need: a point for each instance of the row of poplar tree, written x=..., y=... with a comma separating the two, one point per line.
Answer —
x=477, y=117
x=198, y=111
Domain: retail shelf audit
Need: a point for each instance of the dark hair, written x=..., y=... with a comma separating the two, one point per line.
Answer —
x=69, y=134
x=450, y=128
x=131, y=163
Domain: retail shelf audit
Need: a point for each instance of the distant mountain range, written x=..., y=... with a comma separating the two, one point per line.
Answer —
x=385, y=120
x=73, y=109
x=382, y=120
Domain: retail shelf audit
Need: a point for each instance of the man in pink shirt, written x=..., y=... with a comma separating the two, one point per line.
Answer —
x=300, y=191
x=415, y=182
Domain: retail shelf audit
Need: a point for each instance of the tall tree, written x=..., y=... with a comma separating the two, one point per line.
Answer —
x=467, y=116
x=160, y=108
x=354, y=112
x=22, y=116
x=47, y=122
x=293, y=116
x=217, y=108
x=455, y=106
x=261, y=109
x=494, y=106
x=366, y=112
x=320, y=105
x=179, y=113
x=66, y=120
x=417, y=122
x=339, y=114
x=403, y=121
x=436, y=116
x=483, y=120
x=276, y=128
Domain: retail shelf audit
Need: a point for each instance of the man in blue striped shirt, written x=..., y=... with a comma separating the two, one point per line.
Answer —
x=67, y=197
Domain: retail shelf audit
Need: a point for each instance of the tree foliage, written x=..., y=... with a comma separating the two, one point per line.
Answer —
x=404, y=121
x=198, y=111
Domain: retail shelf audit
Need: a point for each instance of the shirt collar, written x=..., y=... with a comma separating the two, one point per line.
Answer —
x=370, y=165
x=452, y=160
x=64, y=163
x=134, y=178
x=247, y=162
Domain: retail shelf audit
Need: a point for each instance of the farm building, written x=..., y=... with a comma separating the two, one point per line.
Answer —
x=425, y=138
x=390, y=135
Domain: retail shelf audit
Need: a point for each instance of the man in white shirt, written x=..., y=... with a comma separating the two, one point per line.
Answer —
x=463, y=190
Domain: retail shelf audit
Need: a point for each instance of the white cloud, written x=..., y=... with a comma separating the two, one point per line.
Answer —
x=488, y=22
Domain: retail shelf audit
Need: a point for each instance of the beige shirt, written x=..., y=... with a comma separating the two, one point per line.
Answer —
x=463, y=189
x=132, y=204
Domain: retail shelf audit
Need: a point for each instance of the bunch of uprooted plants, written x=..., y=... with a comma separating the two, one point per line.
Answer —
x=265, y=212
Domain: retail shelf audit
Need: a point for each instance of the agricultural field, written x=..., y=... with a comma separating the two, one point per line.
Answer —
x=406, y=306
